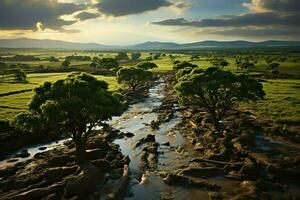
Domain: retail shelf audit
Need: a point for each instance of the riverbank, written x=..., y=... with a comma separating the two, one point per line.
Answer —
x=261, y=158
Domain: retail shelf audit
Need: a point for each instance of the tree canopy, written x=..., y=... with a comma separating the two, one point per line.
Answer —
x=147, y=65
x=182, y=65
x=72, y=106
x=108, y=63
x=122, y=56
x=66, y=63
x=219, y=62
x=135, y=55
x=217, y=91
x=133, y=76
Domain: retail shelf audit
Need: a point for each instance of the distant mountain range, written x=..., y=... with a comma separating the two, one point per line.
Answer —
x=57, y=44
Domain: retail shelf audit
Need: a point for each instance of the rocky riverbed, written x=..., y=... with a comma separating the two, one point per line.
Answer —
x=157, y=150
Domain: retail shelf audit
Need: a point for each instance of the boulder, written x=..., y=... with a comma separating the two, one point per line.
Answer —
x=23, y=154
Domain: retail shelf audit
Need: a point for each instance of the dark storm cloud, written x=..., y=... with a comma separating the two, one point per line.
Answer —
x=24, y=14
x=119, y=8
x=251, y=19
x=86, y=16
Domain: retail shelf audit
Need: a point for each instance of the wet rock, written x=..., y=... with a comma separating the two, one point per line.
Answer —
x=166, y=144
x=57, y=173
x=155, y=124
x=60, y=160
x=128, y=134
x=36, y=193
x=202, y=171
x=183, y=181
x=97, y=143
x=84, y=184
x=93, y=154
x=42, y=148
x=249, y=169
x=148, y=138
x=9, y=171
x=23, y=154
x=12, y=160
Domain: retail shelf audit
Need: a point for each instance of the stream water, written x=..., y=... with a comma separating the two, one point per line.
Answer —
x=148, y=184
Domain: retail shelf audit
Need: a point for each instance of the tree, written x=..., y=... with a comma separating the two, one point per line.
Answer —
x=133, y=76
x=172, y=58
x=53, y=59
x=72, y=107
x=93, y=65
x=273, y=66
x=122, y=56
x=20, y=76
x=219, y=62
x=66, y=63
x=108, y=63
x=217, y=91
x=147, y=65
x=156, y=56
x=182, y=65
x=135, y=56
x=3, y=65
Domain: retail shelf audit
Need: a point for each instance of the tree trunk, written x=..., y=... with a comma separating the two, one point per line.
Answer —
x=216, y=123
x=80, y=149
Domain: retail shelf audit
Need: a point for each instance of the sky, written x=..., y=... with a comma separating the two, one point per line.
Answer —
x=123, y=22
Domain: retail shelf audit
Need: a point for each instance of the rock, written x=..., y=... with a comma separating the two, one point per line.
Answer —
x=148, y=138
x=97, y=143
x=102, y=164
x=178, y=180
x=12, y=160
x=23, y=154
x=199, y=147
x=84, y=184
x=57, y=173
x=128, y=134
x=42, y=148
x=93, y=154
x=202, y=172
x=36, y=193
x=60, y=160
x=166, y=144
x=8, y=171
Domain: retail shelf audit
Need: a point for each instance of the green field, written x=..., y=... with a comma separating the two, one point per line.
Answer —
x=282, y=94
x=12, y=104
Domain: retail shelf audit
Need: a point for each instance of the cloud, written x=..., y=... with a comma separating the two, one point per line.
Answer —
x=25, y=14
x=274, y=5
x=264, y=18
x=250, y=19
x=271, y=32
x=86, y=16
x=119, y=8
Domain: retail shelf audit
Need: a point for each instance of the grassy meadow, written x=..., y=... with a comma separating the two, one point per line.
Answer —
x=282, y=94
